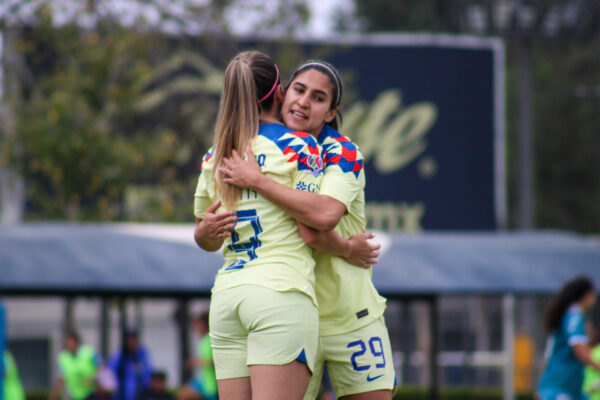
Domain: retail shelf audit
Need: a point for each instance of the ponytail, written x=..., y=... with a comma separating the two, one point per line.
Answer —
x=237, y=123
x=249, y=75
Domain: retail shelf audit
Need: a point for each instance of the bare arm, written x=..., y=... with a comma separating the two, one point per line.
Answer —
x=582, y=353
x=299, y=204
x=356, y=250
x=213, y=228
x=56, y=389
x=196, y=362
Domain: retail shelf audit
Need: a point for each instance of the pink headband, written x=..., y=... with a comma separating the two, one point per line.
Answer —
x=273, y=88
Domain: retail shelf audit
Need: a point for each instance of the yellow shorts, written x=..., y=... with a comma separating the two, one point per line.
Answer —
x=357, y=362
x=252, y=325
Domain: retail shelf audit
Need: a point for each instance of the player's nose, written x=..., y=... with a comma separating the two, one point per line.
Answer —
x=303, y=101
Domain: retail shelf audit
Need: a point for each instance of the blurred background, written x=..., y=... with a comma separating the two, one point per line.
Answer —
x=479, y=121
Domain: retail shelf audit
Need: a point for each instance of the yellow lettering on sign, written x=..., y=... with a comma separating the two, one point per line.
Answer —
x=392, y=135
x=395, y=216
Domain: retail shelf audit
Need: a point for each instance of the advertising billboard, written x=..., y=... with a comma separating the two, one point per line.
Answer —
x=428, y=117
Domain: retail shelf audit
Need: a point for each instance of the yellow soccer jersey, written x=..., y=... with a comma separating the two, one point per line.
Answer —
x=346, y=295
x=265, y=247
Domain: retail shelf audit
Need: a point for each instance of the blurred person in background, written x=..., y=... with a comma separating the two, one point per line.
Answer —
x=204, y=383
x=568, y=350
x=13, y=389
x=131, y=365
x=591, y=377
x=77, y=366
x=106, y=384
x=157, y=389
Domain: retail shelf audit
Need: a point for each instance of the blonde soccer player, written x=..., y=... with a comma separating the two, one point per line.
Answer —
x=263, y=314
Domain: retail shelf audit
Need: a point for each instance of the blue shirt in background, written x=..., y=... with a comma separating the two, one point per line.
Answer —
x=133, y=372
x=563, y=376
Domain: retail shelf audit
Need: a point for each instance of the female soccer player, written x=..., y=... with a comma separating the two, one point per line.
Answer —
x=354, y=342
x=567, y=350
x=263, y=315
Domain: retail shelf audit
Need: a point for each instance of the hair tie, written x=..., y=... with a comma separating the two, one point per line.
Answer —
x=273, y=88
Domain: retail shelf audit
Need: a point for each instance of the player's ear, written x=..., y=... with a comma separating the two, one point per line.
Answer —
x=279, y=94
x=330, y=115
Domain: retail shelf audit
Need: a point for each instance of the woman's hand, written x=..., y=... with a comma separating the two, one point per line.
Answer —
x=215, y=226
x=362, y=253
x=239, y=172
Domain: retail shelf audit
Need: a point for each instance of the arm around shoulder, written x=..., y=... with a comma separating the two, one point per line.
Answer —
x=320, y=212
x=299, y=204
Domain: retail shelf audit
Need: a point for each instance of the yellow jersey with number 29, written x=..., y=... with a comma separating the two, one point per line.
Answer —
x=347, y=298
x=265, y=247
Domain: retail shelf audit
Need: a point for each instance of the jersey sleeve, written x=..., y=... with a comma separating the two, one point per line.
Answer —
x=343, y=165
x=202, y=199
x=340, y=185
x=575, y=328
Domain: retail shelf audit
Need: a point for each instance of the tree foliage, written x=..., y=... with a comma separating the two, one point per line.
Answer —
x=73, y=122
x=567, y=138
x=406, y=15
x=113, y=120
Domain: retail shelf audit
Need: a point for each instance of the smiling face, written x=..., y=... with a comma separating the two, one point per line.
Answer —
x=307, y=102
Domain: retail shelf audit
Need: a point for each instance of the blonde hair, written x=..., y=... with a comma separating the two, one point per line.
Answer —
x=249, y=76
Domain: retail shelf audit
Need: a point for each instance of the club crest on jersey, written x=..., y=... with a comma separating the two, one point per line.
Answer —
x=303, y=150
x=299, y=147
x=315, y=163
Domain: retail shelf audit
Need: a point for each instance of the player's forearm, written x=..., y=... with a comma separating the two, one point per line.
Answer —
x=209, y=244
x=328, y=242
x=56, y=390
x=582, y=353
x=309, y=208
